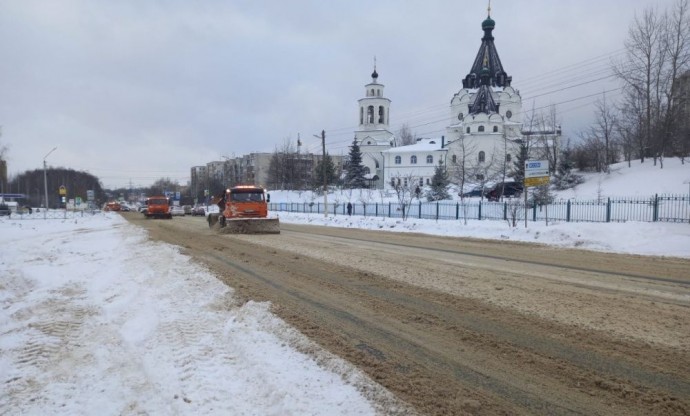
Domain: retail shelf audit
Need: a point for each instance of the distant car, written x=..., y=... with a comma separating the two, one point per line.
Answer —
x=125, y=208
x=187, y=209
x=198, y=211
x=4, y=210
x=505, y=190
x=176, y=210
x=476, y=191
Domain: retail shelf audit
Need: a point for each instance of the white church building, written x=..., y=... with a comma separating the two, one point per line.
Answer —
x=483, y=134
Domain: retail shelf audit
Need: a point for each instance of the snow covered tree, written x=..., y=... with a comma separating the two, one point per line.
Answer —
x=355, y=170
x=564, y=178
x=439, y=184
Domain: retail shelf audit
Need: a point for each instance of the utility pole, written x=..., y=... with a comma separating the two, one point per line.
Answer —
x=323, y=169
x=45, y=177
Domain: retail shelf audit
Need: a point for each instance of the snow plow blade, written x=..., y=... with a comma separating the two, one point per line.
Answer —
x=244, y=225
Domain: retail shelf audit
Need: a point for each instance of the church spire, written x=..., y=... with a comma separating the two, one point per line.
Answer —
x=487, y=58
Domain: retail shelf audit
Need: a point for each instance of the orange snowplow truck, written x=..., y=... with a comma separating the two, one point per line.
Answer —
x=244, y=210
x=157, y=207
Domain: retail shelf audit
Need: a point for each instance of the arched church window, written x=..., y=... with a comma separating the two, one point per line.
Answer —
x=413, y=160
x=482, y=156
x=509, y=114
x=367, y=170
x=377, y=163
x=454, y=159
x=372, y=92
x=398, y=160
x=361, y=115
x=495, y=129
x=480, y=129
x=429, y=159
x=468, y=130
x=381, y=114
x=460, y=116
x=378, y=93
x=370, y=114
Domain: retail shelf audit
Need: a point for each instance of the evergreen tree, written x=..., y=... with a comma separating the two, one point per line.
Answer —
x=355, y=170
x=439, y=184
x=519, y=165
x=564, y=178
x=327, y=163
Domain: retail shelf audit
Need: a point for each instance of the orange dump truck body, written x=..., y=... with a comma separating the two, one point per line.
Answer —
x=157, y=207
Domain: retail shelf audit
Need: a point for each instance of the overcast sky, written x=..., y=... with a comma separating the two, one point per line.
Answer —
x=136, y=90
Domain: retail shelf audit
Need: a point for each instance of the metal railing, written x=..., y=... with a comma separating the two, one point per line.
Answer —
x=667, y=208
x=52, y=214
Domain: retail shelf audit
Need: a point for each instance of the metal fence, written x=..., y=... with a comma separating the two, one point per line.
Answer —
x=53, y=214
x=667, y=208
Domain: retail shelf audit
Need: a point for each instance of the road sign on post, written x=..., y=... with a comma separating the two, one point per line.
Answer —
x=63, y=190
x=536, y=174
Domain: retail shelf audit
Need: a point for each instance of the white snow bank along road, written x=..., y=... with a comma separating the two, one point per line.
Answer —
x=95, y=319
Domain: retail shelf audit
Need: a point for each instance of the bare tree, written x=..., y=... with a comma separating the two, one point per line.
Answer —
x=643, y=57
x=405, y=136
x=602, y=134
x=405, y=187
x=657, y=52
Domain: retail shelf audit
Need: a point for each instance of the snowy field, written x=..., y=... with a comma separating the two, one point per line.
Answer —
x=96, y=319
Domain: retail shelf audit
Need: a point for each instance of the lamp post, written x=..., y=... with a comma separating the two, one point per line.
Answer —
x=323, y=169
x=45, y=177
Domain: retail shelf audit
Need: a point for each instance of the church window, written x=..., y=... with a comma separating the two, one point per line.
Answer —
x=421, y=181
x=460, y=116
x=480, y=177
x=381, y=114
x=368, y=141
x=372, y=92
x=508, y=158
x=427, y=181
x=509, y=114
x=378, y=93
x=405, y=182
x=370, y=114
x=495, y=129
x=413, y=160
x=468, y=130
x=454, y=158
x=482, y=156
x=367, y=170
x=361, y=115
x=398, y=160
x=429, y=159
x=480, y=129
x=377, y=163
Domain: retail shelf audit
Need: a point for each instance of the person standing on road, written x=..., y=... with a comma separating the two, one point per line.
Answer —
x=349, y=208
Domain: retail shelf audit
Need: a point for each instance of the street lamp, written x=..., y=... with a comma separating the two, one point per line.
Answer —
x=323, y=169
x=45, y=177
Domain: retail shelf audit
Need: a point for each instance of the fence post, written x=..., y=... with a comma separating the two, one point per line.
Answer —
x=656, y=207
x=480, y=211
x=457, y=210
x=505, y=211
x=608, y=209
x=376, y=209
x=567, y=212
x=419, y=214
x=534, y=211
x=436, y=211
x=389, y=210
